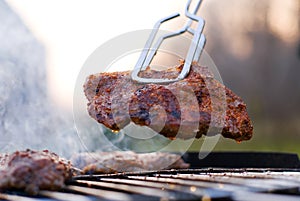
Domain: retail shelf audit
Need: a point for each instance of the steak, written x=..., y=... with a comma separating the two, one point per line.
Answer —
x=32, y=171
x=126, y=161
x=185, y=109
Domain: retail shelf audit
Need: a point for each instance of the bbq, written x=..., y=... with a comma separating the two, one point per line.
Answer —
x=32, y=171
x=250, y=176
x=184, y=102
x=104, y=90
x=165, y=100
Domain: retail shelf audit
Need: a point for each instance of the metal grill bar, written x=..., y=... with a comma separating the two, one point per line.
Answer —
x=202, y=184
x=15, y=197
x=64, y=196
x=128, y=188
x=270, y=184
x=100, y=193
x=248, y=196
x=290, y=176
x=197, y=184
x=266, y=171
x=200, y=192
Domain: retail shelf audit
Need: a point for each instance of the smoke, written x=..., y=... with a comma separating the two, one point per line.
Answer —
x=28, y=119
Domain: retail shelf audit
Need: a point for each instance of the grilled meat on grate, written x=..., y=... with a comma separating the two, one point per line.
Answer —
x=115, y=100
x=126, y=161
x=32, y=171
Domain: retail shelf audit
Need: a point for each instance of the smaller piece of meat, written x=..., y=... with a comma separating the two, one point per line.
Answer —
x=32, y=171
x=126, y=161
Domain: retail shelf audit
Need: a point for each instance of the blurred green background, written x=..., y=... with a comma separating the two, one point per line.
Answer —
x=256, y=47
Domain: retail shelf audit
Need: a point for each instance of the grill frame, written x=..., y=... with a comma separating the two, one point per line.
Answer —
x=250, y=176
x=244, y=160
x=272, y=181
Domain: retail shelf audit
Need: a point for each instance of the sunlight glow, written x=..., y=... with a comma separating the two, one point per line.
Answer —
x=72, y=30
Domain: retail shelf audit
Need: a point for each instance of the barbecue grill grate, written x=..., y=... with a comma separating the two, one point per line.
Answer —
x=243, y=184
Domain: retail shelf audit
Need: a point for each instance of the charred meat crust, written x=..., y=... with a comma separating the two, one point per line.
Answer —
x=114, y=100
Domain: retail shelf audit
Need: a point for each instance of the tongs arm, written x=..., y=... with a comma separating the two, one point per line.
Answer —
x=194, y=52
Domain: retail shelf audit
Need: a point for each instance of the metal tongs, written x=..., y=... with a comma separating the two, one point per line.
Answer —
x=194, y=52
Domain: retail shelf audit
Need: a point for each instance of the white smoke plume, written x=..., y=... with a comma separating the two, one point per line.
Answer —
x=28, y=119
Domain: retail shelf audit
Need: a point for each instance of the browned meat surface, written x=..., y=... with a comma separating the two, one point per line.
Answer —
x=126, y=161
x=173, y=109
x=32, y=171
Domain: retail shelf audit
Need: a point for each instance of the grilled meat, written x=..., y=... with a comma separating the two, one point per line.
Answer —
x=32, y=171
x=126, y=161
x=172, y=110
